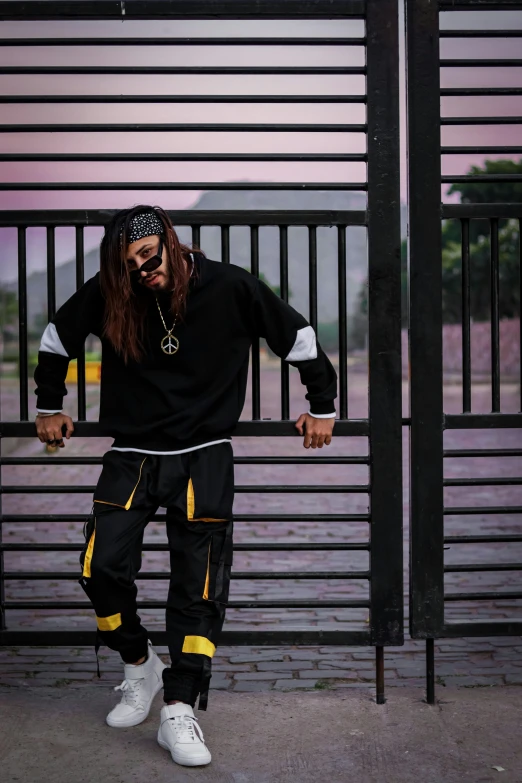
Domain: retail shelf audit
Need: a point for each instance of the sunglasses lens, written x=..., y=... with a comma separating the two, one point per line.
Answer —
x=149, y=266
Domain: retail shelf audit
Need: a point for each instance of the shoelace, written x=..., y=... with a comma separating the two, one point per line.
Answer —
x=187, y=729
x=130, y=689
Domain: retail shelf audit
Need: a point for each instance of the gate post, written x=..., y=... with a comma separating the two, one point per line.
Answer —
x=384, y=300
x=425, y=330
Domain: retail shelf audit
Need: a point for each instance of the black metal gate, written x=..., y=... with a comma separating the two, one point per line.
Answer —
x=431, y=425
x=382, y=426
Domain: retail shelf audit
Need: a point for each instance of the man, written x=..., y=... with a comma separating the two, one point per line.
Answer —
x=176, y=329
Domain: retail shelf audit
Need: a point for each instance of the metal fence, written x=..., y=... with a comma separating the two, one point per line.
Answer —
x=382, y=427
x=429, y=420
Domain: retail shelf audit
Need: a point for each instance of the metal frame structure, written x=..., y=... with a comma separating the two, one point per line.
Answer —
x=428, y=419
x=382, y=219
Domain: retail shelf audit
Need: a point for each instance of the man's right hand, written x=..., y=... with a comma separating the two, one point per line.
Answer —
x=49, y=429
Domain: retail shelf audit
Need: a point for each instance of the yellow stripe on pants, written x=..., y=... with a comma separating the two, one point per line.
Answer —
x=109, y=623
x=198, y=644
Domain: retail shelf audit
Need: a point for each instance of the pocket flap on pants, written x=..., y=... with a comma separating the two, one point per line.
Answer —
x=120, y=478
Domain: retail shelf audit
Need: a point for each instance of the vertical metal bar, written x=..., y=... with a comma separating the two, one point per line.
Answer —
x=520, y=300
x=430, y=671
x=495, y=319
x=384, y=324
x=283, y=283
x=196, y=235
x=22, y=323
x=3, y=624
x=379, y=675
x=225, y=244
x=51, y=274
x=80, y=279
x=342, y=316
x=466, y=318
x=425, y=333
x=312, y=276
x=256, y=369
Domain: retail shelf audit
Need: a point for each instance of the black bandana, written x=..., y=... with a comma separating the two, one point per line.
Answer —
x=145, y=224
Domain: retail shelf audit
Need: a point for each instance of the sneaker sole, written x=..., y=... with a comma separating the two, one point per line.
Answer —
x=141, y=717
x=186, y=762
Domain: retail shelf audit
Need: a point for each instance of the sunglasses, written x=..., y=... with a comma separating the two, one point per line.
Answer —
x=151, y=264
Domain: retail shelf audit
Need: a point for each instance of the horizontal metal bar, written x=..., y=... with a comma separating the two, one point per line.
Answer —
x=166, y=157
x=479, y=5
x=483, y=453
x=492, y=596
x=480, y=91
x=483, y=421
x=183, y=70
x=36, y=518
x=508, y=538
x=53, y=186
x=59, y=460
x=481, y=178
x=482, y=482
x=183, y=127
x=482, y=628
x=288, y=604
x=67, y=489
x=497, y=149
x=471, y=568
x=481, y=63
x=190, y=217
x=178, y=41
x=182, y=9
x=17, y=638
x=162, y=575
x=355, y=427
x=480, y=33
x=183, y=99
x=459, y=510
x=481, y=120
x=358, y=546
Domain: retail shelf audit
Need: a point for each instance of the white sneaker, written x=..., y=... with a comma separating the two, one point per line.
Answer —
x=180, y=733
x=140, y=686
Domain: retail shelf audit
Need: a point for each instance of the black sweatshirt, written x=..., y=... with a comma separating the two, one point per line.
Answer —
x=191, y=398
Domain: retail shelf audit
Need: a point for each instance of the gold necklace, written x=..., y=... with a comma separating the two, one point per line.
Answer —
x=170, y=343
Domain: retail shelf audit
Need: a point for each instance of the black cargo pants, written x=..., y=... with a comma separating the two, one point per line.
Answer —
x=197, y=489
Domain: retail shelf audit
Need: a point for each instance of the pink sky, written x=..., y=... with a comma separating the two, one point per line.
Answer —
x=238, y=142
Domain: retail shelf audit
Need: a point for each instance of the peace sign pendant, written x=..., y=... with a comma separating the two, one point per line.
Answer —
x=170, y=344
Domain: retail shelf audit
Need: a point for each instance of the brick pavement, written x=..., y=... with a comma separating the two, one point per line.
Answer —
x=466, y=662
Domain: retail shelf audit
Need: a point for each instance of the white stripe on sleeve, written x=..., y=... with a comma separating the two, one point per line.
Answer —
x=51, y=342
x=305, y=346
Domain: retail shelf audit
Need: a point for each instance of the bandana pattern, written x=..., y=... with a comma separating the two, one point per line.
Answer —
x=146, y=224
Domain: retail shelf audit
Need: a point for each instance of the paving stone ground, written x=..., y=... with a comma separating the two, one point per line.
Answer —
x=466, y=662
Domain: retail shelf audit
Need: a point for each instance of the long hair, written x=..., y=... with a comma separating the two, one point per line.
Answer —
x=126, y=304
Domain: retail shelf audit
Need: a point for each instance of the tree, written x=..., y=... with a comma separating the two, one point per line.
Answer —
x=484, y=192
x=8, y=309
x=509, y=242
x=480, y=254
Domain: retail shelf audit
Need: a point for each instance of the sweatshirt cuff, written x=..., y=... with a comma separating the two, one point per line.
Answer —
x=322, y=409
x=49, y=401
x=43, y=410
x=322, y=415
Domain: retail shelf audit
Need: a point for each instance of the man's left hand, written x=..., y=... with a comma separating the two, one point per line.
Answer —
x=317, y=432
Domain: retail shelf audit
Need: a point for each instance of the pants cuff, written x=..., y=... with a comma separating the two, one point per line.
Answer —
x=180, y=687
x=133, y=654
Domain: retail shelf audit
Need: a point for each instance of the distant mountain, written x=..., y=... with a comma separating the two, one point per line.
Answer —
x=268, y=250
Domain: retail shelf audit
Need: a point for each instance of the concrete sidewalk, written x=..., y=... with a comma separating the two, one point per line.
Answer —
x=58, y=735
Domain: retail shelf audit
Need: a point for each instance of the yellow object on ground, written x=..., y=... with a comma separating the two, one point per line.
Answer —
x=92, y=372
